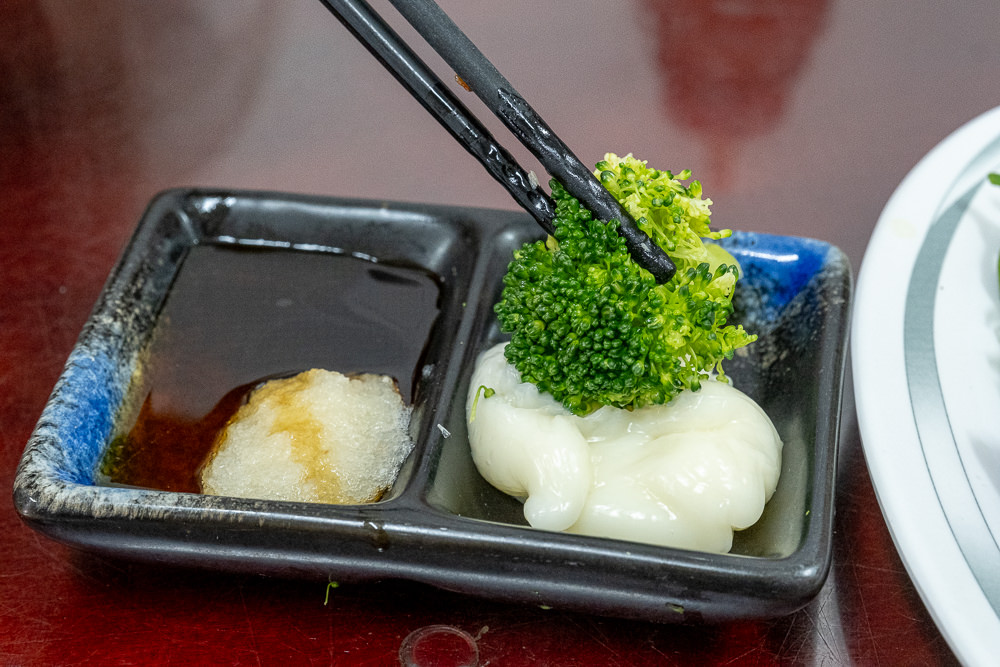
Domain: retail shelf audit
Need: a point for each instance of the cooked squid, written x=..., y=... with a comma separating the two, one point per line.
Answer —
x=686, y=474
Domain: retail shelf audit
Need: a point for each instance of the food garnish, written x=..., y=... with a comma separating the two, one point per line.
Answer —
x=591, y=327
x=319, y=436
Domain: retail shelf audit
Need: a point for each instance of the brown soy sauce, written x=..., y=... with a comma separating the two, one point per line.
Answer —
x=236, y=317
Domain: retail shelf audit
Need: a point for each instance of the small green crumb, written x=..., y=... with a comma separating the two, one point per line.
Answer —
x=486, y=392
x=332, y=584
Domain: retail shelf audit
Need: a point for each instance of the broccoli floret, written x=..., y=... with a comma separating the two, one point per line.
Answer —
x=591, y=327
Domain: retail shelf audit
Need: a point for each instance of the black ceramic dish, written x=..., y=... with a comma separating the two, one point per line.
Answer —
x=441, y=523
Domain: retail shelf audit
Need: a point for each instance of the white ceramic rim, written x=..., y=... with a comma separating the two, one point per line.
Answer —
x=926, y=366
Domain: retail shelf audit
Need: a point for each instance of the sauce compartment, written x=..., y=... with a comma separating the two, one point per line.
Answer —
x=237, y=316
x=250, y=289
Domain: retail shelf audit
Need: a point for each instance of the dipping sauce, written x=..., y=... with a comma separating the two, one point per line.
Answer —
x=237, y=316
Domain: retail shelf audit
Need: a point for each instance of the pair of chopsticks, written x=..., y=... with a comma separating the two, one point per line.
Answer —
x=479, y=74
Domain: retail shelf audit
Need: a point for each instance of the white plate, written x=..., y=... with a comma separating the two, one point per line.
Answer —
x=926, y=360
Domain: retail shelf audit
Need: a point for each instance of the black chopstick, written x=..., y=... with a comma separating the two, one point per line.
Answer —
x=369, y=28
x=503, y=100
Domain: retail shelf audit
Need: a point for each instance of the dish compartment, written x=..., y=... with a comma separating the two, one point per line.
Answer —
x=791, y=294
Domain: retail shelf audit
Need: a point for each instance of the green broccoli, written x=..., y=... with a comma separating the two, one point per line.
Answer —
x=591, y=327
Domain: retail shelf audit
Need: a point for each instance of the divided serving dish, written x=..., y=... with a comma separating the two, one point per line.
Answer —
x=200, y=274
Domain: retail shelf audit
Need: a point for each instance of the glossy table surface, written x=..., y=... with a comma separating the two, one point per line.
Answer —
x=799, y=117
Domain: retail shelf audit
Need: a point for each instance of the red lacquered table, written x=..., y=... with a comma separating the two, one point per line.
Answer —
x=799, y=117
